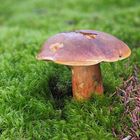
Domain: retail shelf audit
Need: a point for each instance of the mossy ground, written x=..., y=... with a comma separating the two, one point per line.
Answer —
x=35, y=96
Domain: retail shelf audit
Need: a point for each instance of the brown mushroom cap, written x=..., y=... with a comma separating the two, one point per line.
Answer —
x=83, y=48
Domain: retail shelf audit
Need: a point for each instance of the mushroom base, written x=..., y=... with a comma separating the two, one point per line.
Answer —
x=86, y=81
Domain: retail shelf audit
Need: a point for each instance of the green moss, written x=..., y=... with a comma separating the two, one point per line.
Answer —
x=35, y=96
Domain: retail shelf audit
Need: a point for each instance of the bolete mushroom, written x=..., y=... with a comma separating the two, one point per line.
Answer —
x=83, y=51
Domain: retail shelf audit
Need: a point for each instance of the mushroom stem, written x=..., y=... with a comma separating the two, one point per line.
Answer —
x=86, y=80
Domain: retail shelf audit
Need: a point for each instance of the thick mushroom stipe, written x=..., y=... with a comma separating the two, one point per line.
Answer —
x=86, y=80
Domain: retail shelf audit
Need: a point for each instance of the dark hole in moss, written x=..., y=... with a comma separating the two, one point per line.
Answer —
x=60, y=90
x=1, y=130
x=71, y=22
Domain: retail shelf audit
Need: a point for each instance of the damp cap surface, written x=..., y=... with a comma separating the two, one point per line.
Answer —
x=83, y=48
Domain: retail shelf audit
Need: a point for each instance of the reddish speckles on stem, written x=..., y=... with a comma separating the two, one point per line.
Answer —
x=86, y=80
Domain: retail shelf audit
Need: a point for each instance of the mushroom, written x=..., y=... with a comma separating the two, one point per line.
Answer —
x=83, y=51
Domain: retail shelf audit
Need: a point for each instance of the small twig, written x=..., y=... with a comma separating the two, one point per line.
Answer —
x=127, y=138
